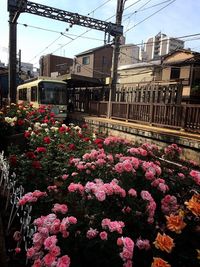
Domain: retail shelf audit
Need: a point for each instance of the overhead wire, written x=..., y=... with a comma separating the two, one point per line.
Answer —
x=91, y=29
x=81, y=35
x=146, y=3
x=179, y=37
x=136, y=11
x=149, y=16
x=92, y=12
x=54, y=31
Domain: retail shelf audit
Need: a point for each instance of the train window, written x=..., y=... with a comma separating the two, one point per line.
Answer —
x=23, y=94
x=34, y=93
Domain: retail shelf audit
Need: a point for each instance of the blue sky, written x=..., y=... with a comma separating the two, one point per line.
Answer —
x=179, y=18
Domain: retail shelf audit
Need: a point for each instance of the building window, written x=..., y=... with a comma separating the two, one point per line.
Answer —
x=175, y=73
x=78, y=69
x=104, y=60
x=86, y=60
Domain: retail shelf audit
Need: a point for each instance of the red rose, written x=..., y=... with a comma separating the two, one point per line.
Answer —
x=36, y=164
x=27, y=134
x=41, y=149
x=47, y=140
x=98, y=141
x=30, y=155
x=13, y=160
x=86, y=139
x=72, y=147
x=20, y=122
x=62, y=129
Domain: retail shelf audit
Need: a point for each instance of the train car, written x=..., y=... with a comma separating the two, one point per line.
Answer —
x=45, y=91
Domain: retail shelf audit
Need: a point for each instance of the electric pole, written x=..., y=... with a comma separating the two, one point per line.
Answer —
x=116, y=49
x=12, y=59
x=116, y=52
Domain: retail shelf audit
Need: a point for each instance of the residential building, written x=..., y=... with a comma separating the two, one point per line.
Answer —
x=94, y=63
x=51, y=63
x=27, y=68
x=183, y=66
x=143, y=72
x=129, y=54
x=2, y=65
x=160, y=45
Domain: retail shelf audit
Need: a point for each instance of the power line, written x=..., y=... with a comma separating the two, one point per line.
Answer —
x=179, y=37
x=144, y=9
x=136, y=11
x=146, y=3
x=81, y=35
x=152, y=42
x=66, y=35
x=92, y=12
x=124, y=9
x=139, y=9
x=149, y=16
x=90, y=29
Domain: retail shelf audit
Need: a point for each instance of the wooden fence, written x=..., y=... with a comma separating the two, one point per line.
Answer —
x=178, y=116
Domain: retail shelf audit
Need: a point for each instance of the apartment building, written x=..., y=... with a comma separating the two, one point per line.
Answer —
x=94, y=63
x=51, y=64
x=143, y=72
x=129, y=54
x=160, y=45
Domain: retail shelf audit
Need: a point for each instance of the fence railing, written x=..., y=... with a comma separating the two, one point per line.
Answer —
x=182, y=116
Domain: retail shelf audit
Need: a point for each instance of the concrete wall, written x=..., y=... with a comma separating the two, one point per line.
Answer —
x=135, y=75
x=137, y=133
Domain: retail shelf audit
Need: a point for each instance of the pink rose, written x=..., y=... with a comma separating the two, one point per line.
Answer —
x=132, y=192
x=103, y=235
x=50, y=242
x=49, y=260
x=64, y=261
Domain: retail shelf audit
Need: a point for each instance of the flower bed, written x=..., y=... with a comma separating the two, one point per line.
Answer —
x=105, y=202
x=15, y=119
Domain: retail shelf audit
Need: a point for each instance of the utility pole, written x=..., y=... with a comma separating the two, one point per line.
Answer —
x=116, y=52
x=20, y=63
x=12, y=59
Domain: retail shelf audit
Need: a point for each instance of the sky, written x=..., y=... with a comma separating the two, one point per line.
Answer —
x=142, y=19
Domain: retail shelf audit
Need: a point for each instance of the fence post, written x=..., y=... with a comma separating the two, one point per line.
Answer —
x=89, y=108
x=151, y=113
x=98, y=108
x=127, y=111
x=184, y=117
x=151, y=105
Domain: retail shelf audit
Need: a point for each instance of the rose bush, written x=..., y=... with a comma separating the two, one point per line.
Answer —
x=15, y=118
x=105, y=202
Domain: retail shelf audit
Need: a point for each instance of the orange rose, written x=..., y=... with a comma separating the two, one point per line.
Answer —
x=194, y=204
x=158, y=262
x=175, y=223
x=164, y=242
